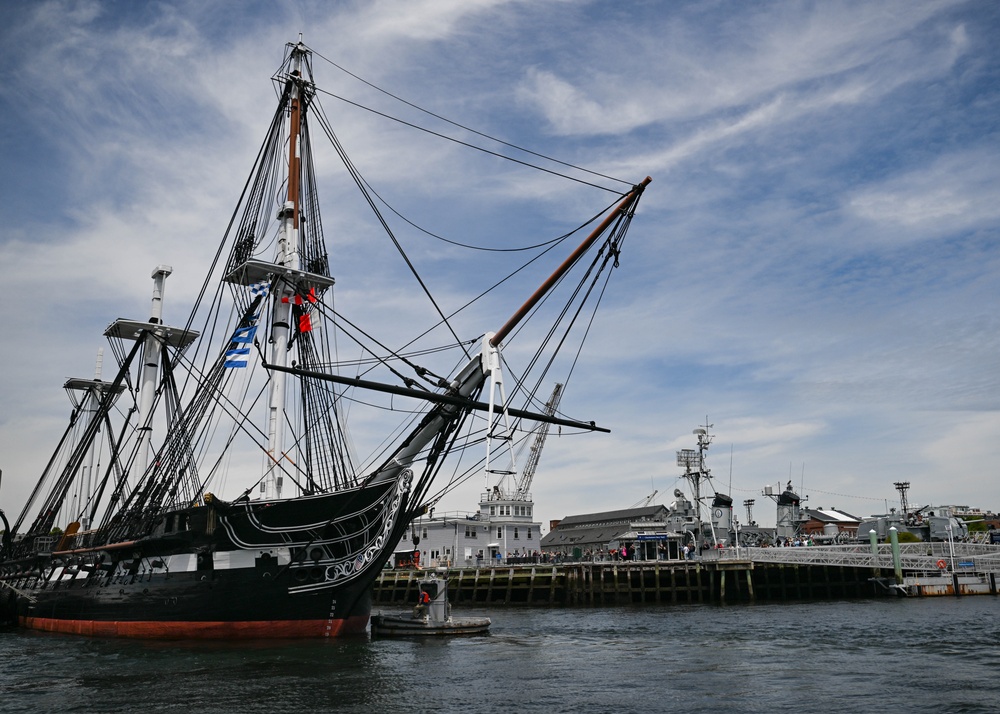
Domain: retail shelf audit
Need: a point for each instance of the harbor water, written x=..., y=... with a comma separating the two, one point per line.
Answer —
x=917, y=655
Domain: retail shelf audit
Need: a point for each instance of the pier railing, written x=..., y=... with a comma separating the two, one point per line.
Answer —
x=970, y=557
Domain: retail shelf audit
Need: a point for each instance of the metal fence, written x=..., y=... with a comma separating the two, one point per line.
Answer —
x=960, y=557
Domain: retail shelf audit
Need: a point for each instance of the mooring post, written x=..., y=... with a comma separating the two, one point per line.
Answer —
x=897, y=564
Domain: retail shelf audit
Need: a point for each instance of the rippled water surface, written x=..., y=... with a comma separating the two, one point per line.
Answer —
x=928, y=655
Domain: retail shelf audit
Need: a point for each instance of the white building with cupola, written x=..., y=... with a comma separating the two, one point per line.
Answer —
x=503, y=530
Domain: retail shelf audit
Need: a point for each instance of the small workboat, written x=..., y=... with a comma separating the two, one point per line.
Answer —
x=431, y=615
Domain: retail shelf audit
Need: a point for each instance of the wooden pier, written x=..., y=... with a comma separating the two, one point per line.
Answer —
x=617, y=583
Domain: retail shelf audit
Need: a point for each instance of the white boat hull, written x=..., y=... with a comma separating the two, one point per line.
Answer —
x=404, y=625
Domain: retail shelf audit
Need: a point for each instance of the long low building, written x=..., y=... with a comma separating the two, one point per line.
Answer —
x=645, y=532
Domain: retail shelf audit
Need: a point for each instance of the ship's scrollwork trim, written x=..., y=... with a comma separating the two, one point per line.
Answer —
x=341, y=570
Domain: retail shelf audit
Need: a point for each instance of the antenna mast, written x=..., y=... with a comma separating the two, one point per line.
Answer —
x=903, y=487
x=695, y=471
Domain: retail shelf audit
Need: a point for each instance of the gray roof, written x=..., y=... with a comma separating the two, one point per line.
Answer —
x=625, y=515
x=599, y=529
x=596, y=536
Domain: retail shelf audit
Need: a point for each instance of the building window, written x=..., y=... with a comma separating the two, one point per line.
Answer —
x=492, y=510
x=500, y=532
x=529, y=534
x=425, y=534
x=515, y=532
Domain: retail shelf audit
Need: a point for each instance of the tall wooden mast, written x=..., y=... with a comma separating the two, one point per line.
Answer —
x=288, y=256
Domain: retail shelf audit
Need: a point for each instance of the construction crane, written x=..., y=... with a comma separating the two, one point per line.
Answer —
x=541, y=432
x=643, y=502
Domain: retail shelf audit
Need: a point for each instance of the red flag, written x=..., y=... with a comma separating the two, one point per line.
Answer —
x=305, y=324
x=301, y=299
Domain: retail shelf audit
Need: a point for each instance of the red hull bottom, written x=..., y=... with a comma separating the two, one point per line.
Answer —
x=264, y=629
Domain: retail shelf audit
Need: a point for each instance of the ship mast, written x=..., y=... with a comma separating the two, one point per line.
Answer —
x=151, y=352
x=90, y=393
x=287, y=256
x=154, y=335
x=695, y=472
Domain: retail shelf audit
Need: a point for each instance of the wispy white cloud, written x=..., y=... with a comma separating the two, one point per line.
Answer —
x=953, y=193
x=837, y=53
x=424, y=20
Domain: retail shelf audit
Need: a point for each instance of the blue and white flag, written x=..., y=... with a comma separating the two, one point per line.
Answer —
x=237, y=358
x=244, y=335
x=261, y=288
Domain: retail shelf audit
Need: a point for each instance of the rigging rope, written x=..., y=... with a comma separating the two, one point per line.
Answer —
x=361, y=184
x=468, y=129
x=553, y=241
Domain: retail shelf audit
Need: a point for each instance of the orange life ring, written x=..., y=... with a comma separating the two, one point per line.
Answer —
x=941, y=564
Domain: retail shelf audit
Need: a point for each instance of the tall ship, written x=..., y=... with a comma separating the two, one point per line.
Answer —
x=125, y=534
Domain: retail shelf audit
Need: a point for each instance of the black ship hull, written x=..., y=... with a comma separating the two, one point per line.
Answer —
x=239, y=603
x=236, y=604
x=287, y=569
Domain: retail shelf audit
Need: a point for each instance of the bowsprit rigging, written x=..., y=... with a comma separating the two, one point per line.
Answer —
x=125, y=535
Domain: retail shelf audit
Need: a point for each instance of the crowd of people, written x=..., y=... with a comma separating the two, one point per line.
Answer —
x=626, y=552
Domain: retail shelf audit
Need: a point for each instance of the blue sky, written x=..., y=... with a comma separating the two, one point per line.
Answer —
x=814, y=267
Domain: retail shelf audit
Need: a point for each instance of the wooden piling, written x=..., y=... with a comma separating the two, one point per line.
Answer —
x=617, y=583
